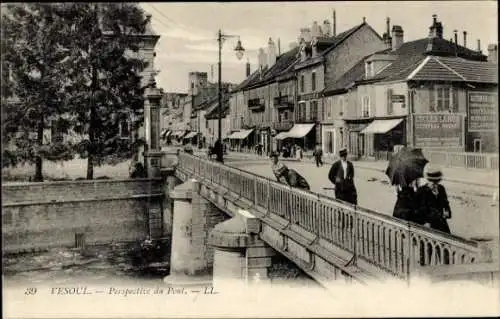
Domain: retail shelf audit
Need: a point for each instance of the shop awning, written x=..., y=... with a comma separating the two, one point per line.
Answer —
x=233, y=135
x=381, y=126
x=281, y=136
x=190, y=135
x=299, y=130
x=240, y=135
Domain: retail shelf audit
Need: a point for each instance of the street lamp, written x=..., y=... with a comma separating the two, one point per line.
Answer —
x=239, y=54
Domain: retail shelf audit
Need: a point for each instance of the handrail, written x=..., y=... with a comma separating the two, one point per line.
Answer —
x=386, y=242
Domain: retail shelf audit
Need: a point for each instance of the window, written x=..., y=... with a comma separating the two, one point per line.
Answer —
x=285, y=115
x=206, y=123
x=301, y=111
x=390, y=107
x=314, y=110
x=313, y=81
x=443, y=99
x=342, y=105
x=301, y=83
x=367, y=69
x=56, y=135
x=328, y=108
x=366, y=112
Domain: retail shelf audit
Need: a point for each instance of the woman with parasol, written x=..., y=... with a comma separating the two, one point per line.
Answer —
x=404, y=170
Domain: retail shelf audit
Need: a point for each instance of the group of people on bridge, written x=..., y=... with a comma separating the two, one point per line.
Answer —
x=422, y=203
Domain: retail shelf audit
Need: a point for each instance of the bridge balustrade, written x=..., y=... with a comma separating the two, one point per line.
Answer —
x=390, y=244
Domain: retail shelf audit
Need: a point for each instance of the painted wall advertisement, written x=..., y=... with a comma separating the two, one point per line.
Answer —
x=482, y=112
x=438, y=130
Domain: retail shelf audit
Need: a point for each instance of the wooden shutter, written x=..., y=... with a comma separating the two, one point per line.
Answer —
x=390, y=108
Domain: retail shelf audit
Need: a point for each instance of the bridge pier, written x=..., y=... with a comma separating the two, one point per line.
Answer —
x=191, y=259
x=240, y=257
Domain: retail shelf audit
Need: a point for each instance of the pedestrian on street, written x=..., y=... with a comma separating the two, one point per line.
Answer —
x=433, y=206
x=318, y=154
x=342, y=176
x=406, y=205
x=286, y=175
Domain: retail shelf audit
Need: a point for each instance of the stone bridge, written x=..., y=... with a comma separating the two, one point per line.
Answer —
x=229, y=223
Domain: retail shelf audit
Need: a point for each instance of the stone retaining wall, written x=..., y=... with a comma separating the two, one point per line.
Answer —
x=51, y=214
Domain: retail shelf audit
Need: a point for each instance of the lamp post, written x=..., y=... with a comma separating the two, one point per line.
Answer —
x=239, y=54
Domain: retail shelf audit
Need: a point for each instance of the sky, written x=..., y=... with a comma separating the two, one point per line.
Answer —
x=188, y=31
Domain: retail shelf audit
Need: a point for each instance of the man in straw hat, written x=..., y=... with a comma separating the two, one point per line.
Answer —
x=286, y=175
x=342, y=176
x=433, y=208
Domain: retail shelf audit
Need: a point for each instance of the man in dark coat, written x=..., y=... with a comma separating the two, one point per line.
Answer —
x=318, y=154
x=286, y=175
x=433, y=207
x=342, y=176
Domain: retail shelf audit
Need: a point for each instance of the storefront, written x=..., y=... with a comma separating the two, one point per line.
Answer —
x=302, y=135
x=381, y=135
x=241, y=140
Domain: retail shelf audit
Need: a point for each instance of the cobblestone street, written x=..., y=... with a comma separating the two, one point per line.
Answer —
x=475, y=214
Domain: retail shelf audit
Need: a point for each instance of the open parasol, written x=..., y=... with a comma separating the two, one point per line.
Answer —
x=406, y=166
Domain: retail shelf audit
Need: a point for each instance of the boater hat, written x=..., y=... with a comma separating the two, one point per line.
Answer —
x=434, y=174
x=343, y=152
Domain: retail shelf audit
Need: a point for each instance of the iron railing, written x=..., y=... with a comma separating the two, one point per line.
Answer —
x=384, y=241
x=463, y=159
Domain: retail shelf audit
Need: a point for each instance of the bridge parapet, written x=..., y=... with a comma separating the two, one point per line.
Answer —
x=374, y=240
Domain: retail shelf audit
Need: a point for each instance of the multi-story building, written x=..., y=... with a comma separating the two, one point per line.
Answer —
x=171, y=106
x=427, y=93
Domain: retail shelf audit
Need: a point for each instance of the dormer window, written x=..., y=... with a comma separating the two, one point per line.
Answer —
x=369, y=69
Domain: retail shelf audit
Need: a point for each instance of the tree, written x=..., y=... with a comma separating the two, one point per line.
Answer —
x=33, y=72
x=104, y=77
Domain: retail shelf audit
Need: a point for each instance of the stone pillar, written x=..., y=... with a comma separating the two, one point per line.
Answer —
x=241, y=257
x=152, y=129
x=193, y=217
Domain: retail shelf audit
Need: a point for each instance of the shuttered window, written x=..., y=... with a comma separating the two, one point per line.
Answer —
x=390, y=107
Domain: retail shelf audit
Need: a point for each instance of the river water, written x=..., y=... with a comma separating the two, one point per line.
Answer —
x=116, y=262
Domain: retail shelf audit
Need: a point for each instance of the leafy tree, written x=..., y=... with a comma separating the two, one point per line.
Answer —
x=33, y=72
x=104, y=77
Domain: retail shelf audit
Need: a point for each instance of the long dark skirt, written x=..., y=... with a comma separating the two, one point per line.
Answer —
x=440, y=224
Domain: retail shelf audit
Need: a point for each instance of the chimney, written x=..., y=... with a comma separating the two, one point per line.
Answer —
x=364, y=19
x=465, y=39
x=261, y=57
x=455, y=36
x=326, y=28
x=493, y=53
x=279, y=47
x=397, y=37
x=387, y=34
x=478, y=45
x=315, y=30
x=271, y=53
x=436, y=29
x=248, y=68
x=305, y=33
x=334, y=24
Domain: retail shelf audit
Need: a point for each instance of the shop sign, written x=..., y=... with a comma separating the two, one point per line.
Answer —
x=309, y=96
x=398, y=98
x=438, y=130
x=482, y=112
